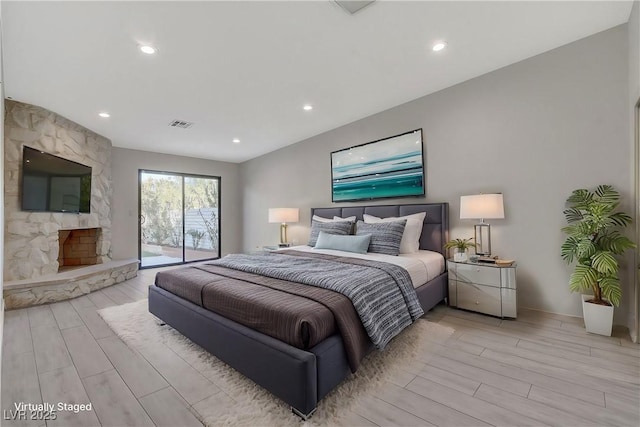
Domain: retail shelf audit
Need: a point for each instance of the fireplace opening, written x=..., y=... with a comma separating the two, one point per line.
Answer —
x=78, y=247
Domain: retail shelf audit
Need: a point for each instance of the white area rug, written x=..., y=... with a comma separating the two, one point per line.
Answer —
x=244, y=403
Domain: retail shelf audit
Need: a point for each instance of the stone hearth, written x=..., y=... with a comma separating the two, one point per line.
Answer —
x=68, y=284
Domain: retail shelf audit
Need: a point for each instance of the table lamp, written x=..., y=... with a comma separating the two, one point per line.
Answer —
x=283, y=216
x=482, y=206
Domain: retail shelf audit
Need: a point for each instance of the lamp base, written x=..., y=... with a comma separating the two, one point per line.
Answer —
x=283, y=234
x=483, y=239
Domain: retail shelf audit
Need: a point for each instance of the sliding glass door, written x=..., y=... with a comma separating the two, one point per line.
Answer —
x=179, y=218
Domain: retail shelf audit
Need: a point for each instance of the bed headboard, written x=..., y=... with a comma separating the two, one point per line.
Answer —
x=435, y=230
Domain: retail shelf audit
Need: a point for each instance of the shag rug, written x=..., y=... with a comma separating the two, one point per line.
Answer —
x=244, y=403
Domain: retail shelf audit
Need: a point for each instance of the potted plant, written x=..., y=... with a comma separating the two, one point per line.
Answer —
x=461, y=246
x=594, y=240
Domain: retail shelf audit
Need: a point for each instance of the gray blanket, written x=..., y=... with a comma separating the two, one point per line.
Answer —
x=381, y=293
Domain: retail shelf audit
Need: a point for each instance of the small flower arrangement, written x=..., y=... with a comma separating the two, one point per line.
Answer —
x=461, y=246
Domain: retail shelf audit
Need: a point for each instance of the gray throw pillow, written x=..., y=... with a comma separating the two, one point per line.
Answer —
x=334, y=227
x=385, y=236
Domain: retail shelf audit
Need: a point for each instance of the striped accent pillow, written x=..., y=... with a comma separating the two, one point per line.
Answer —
x=334, y=227
x=385, y=236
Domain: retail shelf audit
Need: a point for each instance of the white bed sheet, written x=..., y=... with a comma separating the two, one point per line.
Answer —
x=422, y=266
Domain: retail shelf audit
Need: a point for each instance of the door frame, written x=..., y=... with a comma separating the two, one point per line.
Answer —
x=183, y=175
x=636, y=268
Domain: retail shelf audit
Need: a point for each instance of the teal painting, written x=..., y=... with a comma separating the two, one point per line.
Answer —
x=390, y=167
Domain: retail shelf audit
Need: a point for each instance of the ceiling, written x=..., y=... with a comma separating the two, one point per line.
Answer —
x=245, y=69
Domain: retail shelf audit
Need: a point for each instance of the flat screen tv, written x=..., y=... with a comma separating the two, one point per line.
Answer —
x=389, y=167
x=53, y=184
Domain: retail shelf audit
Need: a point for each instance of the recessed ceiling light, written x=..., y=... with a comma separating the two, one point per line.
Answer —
x=439, y=46
x=236, y=141
x=149, y=50
x=104, y=115
x=307, y=107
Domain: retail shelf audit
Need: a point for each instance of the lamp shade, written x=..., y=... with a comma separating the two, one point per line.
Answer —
x=283, y=215
x=482, y=206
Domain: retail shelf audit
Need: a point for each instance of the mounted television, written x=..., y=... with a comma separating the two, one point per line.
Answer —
x=53, y=184
x=389, y=167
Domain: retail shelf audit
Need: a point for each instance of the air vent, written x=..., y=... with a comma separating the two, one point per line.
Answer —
x=180, y=124
x=352, y=6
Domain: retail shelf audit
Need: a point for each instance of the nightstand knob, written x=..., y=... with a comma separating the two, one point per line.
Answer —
x=477, y=302
x=478, y=270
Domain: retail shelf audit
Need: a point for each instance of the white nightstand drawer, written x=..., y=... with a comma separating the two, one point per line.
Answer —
x=485, y=299
x=482, y=274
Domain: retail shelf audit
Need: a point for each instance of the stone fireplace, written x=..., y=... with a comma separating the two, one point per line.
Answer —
x=78, y=247
x=42, y=250
x=31, y=247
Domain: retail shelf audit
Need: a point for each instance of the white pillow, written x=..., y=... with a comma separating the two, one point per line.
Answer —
x=410, y=242
x=335, y=218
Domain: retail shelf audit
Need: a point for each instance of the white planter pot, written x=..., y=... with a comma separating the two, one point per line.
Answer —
x=598, y=319
x=460, y=256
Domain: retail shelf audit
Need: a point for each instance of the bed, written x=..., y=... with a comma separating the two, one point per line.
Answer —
x=299, y=377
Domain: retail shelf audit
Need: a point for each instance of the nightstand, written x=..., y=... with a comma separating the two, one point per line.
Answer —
x=485, y=288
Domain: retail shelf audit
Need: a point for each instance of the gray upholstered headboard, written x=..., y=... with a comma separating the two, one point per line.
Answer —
x=435, y=230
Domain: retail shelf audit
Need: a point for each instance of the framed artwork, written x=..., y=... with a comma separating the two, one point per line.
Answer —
x=389, y=167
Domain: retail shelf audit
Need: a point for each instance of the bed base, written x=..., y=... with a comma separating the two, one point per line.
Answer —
x=304, y=417
x=299, y=377
x=288, y=372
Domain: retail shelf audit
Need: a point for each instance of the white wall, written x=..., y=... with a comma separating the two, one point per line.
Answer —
x=125, y=165
x=534, y=131
x=634, y=52
x=1, y=197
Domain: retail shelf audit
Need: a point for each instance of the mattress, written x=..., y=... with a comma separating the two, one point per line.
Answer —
x=422, y=266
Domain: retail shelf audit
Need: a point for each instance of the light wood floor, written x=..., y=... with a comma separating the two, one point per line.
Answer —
x=541, y=369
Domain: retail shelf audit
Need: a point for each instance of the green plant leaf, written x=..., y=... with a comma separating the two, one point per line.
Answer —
x=580, y=198
x=606, y=194
x=611, y=289
x=614, y=242
x=460, y=244
x=582, y=278
x=578, y=230
x=620, y=219
x=585, y=248
x=573, y=215
x=569, y=249
x=604, y=262
x=585, y=229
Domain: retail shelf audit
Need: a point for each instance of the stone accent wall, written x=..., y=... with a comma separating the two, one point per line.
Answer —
x=31, y=246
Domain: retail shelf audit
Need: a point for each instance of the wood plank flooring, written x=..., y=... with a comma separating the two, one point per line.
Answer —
x=541, y=369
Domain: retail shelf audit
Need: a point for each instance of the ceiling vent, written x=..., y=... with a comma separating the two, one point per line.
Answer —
x=352, y=6
x=180, y=124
